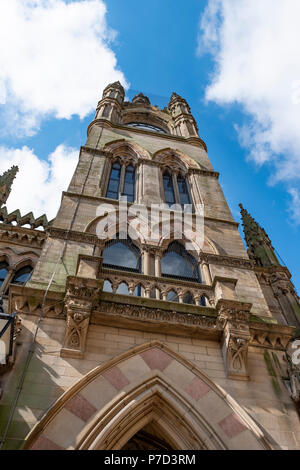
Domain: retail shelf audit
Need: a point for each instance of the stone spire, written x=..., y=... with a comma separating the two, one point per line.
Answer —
x=6, y=181
x=259, y=245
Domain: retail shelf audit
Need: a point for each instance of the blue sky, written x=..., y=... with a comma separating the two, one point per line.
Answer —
x=228, y=63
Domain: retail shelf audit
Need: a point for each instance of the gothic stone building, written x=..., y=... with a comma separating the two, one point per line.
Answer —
x=138, y=343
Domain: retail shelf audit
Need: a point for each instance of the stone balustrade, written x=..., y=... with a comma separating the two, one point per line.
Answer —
x=160, y=288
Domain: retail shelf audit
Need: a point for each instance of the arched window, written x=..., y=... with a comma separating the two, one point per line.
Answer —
x=114, y=181
x=137, y=291
x=123, y=289
x=22, y=276
x=188, y=299
x=122, y=254
x=148, y=127
x=107, y=286
x=129, y=183
x=178, y=263
x=183, y=190
x=172, y=296
x=121, y=182
x=3, y=272
x=168, y=188
x=176, y=189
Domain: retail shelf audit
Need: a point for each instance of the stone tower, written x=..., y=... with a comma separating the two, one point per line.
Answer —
x=134, y=341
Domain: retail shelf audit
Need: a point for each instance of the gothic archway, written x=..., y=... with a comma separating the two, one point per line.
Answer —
x=149, y=389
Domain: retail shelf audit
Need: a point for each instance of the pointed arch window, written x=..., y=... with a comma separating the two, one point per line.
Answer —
x=121, y=181
x=3, y=272
x=179, y=264
x=168, y=188
x=176, y=190
x=114, y=181
x=122, y=254
x=183, y=190
x=129, y=183
x=22, y=275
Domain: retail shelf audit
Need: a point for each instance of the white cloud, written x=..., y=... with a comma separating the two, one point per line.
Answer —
x=255, y=45
x=39, y=183
x=295, y=205
x=55, y=60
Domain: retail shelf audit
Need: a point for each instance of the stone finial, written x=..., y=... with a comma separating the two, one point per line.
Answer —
x=175, y=97
x=141, y=99
x=259, y=245
x=6, y=181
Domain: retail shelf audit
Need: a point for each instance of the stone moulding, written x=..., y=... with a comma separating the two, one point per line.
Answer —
x=197, y=141
x=225, y=260
x=271, y=336
x=71, y=235
x=22, y=236
x=156, y=319
x=28, y=300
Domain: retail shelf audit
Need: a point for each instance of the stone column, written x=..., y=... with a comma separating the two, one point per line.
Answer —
x=157, y=267
x=146, y=262
x=157, y=257
x=206, y=274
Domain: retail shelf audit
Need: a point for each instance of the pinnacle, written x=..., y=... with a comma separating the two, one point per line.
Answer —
x=6, y=181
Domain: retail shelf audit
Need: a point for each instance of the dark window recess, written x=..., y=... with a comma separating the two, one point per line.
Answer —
x=168, y=188
x=123, y=255
x=22, y=276
x=183, y=190
x=179, y=264
x=188, y=299
x=147, y=127
x=114, y=181
x=129, y=183
x=3, y=272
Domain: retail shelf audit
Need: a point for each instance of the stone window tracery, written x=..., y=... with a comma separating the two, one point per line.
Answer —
x=122, y=254
x=22, y=275
x=176, y=262
x=121, y=181
x=147, y=127
x=176, y=189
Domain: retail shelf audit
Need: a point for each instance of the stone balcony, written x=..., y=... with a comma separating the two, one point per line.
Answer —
x=159, y=288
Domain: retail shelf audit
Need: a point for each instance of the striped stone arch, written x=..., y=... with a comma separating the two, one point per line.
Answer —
x=149, y=384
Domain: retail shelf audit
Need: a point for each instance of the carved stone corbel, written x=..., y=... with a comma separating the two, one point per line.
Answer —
x=233, y=318
x=81, y=296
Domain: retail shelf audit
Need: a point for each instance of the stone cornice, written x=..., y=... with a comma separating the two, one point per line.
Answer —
x=147, y=314
x=22, y=236
x=108, y=124
x=225, y=260
x=202, y=172
x=72, y=235
x=268, y=270
x=272, y=336
x=156, y=316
